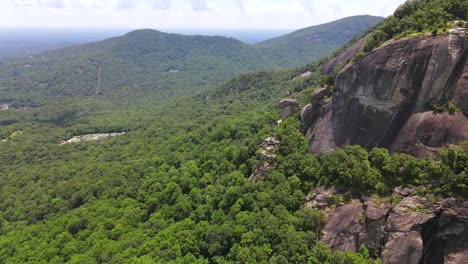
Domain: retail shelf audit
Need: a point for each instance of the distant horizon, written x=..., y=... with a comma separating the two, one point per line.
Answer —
x=176, y=28
x=74, y=36
x=154, y=28
x=181, y=14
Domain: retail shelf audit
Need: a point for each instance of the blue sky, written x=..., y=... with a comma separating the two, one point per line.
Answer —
x=279, y=14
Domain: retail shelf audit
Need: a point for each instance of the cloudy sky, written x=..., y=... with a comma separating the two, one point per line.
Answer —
x=281, y=14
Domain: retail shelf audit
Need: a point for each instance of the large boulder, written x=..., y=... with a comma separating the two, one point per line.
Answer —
x=403, y=248
x=411, y=214
x=288, y=107
x=425, y=133
x=410, y=229
x=343, y=226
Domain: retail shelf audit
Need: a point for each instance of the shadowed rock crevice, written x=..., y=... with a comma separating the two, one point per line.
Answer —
x=433, y=252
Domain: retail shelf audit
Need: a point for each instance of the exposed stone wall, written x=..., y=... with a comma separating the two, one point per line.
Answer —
x=384, y=99
x=409, y=230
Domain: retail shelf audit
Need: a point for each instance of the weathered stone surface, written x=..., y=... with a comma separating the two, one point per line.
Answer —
x=404, y=191
x=454, y=209
x=378, y=94
x=383, y=99
x=312, y=112
x=458, y=257
x=344, y=57
x=426, y=133
x=288, y=107
x=316, y=125
x=446, y=238
x=321, y=93
x=343, y=226
x=373, y=231
x=303, y=75
x=410, y=214
x=403, y=248
x=460, y=97
x=376, y=208
x=267, y=159
x=320, y=198
x=414, y=230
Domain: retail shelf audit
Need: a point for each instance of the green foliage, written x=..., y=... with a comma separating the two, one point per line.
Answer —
x=357, y=171
x=418, y=16
x=174, y=189
x=447, y=107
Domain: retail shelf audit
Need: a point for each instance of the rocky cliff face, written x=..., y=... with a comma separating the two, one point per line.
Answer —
x=409, y=229
x=385, y=98
x=344, y=57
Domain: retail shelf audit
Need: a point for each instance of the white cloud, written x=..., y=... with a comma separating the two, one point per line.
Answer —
x=44, y=3
x=186, y=13
x=196, y=5
x=162, y=4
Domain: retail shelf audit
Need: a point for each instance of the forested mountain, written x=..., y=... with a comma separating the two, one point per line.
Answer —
x=141, y=63
x=149, y=63
x=193, y=178
x=313, y=42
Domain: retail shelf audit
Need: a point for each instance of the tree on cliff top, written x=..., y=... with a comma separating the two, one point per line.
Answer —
x=418, y=16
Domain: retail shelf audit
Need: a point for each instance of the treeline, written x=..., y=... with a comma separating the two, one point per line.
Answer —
x=418, y=16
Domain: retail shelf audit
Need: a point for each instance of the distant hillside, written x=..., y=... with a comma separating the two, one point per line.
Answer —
x=22, y=43
x=149, y=63
x=140, y=63
x=312, y=43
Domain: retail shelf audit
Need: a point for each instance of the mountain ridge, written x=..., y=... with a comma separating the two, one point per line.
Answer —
x=142, y=63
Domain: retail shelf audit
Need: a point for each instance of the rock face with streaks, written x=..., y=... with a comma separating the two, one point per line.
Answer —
x=343, y=226
x=408, y=230
x=316, y=120
x=344, y=57
x=385, y=98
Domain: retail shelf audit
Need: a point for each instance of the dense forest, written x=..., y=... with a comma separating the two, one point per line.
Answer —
x=175, y=187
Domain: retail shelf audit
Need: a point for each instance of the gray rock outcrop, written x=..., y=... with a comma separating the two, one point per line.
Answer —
x=288, y=107
x=316, y=120
x=267, y=159
x=384, y=99
x=344, y=57
x=343, y=226
x=411, y=230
